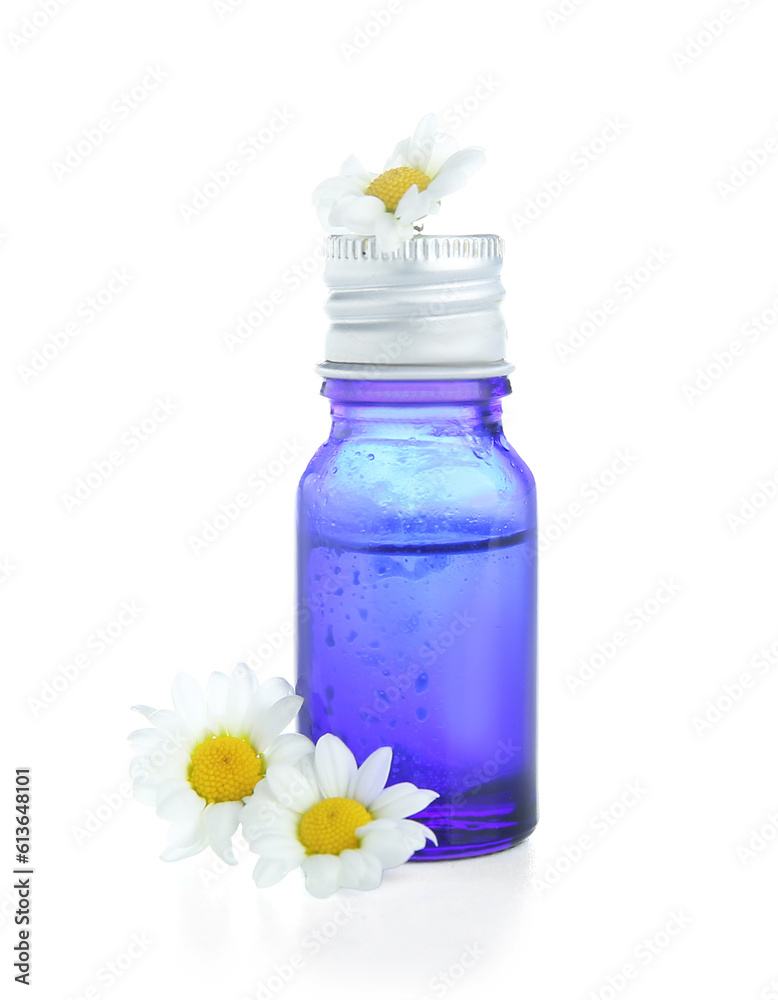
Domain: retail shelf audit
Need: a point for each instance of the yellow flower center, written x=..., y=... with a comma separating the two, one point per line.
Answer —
x=330, y=826
x=224, y=768
x=391, y=185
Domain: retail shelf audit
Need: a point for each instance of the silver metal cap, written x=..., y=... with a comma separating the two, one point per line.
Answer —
x=430, y=310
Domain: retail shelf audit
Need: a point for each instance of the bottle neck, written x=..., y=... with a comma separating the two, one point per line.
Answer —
x=416, y=408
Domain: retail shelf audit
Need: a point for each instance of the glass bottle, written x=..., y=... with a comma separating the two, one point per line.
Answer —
x=417, y=541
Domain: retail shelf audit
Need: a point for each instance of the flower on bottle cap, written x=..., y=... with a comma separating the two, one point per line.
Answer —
x=420, y=172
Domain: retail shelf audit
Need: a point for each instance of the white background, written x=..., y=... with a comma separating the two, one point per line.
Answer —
x=705, y=789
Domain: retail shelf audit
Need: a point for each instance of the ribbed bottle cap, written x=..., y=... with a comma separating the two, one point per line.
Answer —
x=430, y=310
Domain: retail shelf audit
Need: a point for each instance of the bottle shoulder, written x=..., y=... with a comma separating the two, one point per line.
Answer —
x=485, y=456
x=432, y=486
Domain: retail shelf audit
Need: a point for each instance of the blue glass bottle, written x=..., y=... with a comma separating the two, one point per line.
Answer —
x=417, y=569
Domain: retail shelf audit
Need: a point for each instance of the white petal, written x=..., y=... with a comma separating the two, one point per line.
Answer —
x=390, y=233
x=160, y=766
x=268, y=818
x=178, y=853
x=145, y=710
x=324, y=211
x=266, y=695
x=169, y=722
x=307, y=767
x=145, y=793
x=261, y=794
x=352, y=869
x=242, y=686
x=185, y=832
x=269, y=871
x=258, y=816
x=336, y=187
x=216, y=699
x=143, y=771
x=371, y=777
x=287, y=749
x=422, y=142
x=177, y=800
x=269, y=692
x=415, y=833
x=339, y=204
x=352, y=168
x=280, y=847
x=445, y=184
x=220, y=821
x=146, y=740
x=413, y=205
x=358, y=213
x=466, y=161
x=291, y=787
x=273, y=720
x=322, y=874
x=360, y=870
x=335, y=766
x=445, y=147
x=378, y=824
x=388, y=845
x=400, y=156
x=189, y=700
x=399, y=801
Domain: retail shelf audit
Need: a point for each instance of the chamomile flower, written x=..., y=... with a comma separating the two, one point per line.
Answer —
x=200, y=763
x=335, y=820
x=422, y=170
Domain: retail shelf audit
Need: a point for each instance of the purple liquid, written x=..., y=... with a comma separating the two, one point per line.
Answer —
x=430, y=649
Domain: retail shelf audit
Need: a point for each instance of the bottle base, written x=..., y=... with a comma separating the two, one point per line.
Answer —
x=472, y=839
